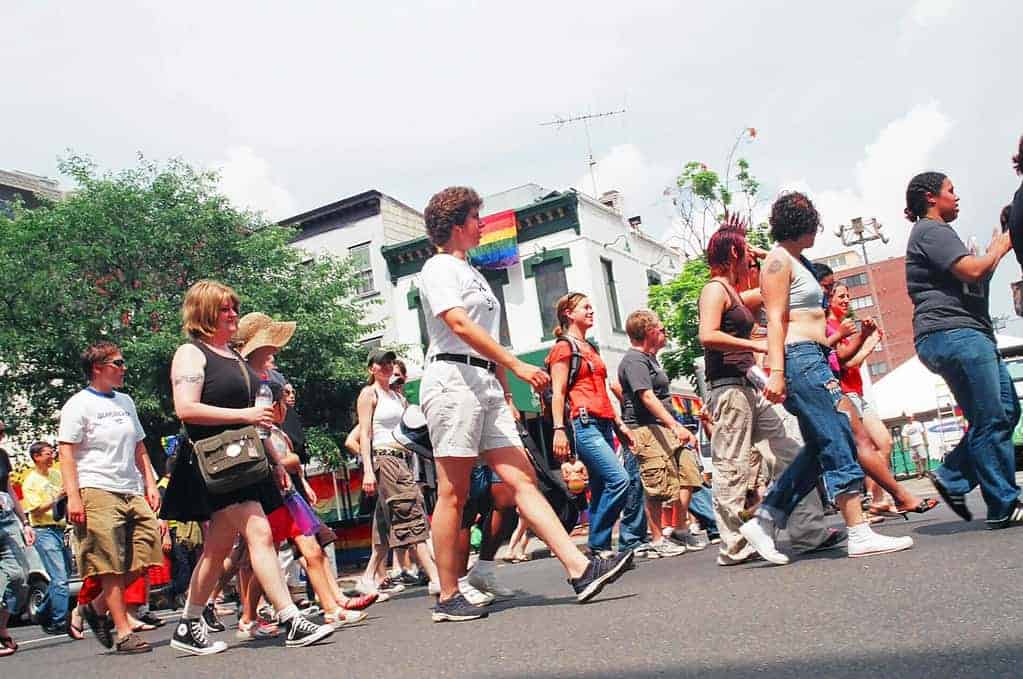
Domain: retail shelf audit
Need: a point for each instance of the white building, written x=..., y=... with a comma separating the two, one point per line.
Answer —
x=567, y=242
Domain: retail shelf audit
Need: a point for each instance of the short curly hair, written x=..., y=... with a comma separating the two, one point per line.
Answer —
x=793, y=216
x=447, y=209
x=1017, y=160
x=639, y=322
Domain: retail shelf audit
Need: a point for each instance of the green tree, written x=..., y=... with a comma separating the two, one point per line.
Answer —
x=113, y=261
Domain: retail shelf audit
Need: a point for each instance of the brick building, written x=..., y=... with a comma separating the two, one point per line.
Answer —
x=888, y=303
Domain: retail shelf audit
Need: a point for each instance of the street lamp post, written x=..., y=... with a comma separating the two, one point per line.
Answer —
x=860, y=233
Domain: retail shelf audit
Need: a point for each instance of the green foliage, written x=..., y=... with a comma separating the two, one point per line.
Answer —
x=113, y=261
x=677, y=304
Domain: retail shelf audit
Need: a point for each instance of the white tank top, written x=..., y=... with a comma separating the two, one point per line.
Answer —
x=386, y=417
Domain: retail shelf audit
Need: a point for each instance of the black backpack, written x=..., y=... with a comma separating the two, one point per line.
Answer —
x=574, y=365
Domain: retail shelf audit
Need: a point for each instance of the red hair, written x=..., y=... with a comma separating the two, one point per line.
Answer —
x=721, y=245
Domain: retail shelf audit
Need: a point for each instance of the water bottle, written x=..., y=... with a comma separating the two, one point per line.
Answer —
x=264, y=399
x=757, y=376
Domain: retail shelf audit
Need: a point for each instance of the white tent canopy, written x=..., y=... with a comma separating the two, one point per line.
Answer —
x=912, y=389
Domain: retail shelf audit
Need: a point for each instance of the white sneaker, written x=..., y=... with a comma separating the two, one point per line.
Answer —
x=254, y=631
x=647, y=551
x=695, y=539
x=473, y=595
x=871, y=543
x=489, y=583
x=665, y=549
x=344, y=617
x=760, y=533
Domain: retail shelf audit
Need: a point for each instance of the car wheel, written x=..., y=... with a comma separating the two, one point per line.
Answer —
x=37, y=587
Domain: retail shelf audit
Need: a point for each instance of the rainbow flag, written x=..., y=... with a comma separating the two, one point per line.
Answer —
x=499, y=245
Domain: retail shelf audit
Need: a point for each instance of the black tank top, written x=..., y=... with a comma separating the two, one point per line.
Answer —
x=223, y=386
x=736, y=321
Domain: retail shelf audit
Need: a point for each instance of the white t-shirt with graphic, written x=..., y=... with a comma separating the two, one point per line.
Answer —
x=447, y=282
x=104, y=430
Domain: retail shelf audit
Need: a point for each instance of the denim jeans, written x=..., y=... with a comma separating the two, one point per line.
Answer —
x=57, y=561
x=701, y=505
x=609, y=484
x=968, y=361
x=13, y=564
x=812, y=394
x=632, y=530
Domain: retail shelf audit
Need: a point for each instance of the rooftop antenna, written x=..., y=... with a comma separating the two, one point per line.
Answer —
x=585, y=120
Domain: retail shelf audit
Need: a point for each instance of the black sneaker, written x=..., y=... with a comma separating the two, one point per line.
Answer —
x=301, y=632
x=150, y=619
x=390, y=586
x=457, y=609
x=957, y=503
x=190, y=637
x=1015, y=518
x=101, y=625
x=600, y=572
x=408, y=579
x=423, y=579
x=209, y=616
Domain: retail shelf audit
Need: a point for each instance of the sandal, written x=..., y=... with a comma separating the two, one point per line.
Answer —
x=143, y=627
x=76, y=631
x=101, y=626
x=132, y=643
x=887, y=511
x=925, y=506
x=9, y=644
x=957, y=503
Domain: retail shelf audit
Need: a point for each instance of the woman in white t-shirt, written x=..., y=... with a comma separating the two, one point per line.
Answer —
x=467, y=402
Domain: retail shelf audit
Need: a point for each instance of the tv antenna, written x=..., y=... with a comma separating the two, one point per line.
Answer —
x=585, y=120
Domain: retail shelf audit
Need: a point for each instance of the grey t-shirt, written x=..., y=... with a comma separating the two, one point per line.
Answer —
x=637, y=372
x=940, y=300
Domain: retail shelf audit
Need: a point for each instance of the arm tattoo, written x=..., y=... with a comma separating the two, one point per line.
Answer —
x=774, y=267
x=194, y=378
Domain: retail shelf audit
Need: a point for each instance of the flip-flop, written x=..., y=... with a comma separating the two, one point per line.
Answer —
x=9, y=644
x=926, y=505
x=957, y=503
x=886, y=511
x=77, y=633
x=143, y=627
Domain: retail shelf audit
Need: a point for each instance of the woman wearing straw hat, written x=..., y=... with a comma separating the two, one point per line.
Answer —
x=214, y=391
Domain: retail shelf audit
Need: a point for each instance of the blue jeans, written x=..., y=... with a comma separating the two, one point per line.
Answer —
x=968, y=361
x=13, y=564
x=632, y=529
x=701, y=505
x=609, y=484
x=50, y=547
x=812, y=394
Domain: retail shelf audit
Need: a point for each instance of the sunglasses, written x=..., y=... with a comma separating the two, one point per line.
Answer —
x=119, y=362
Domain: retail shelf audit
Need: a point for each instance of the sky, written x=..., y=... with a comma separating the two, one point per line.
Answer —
x=301, y=104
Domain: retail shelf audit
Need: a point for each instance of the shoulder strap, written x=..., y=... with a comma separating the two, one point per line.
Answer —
x=732, y=296
x=244, y=367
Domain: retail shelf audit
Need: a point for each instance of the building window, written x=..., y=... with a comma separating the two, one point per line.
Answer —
x=612, y=293
x=551, y=285
x=877, y=369
x=652, y=278
x=362, y=269
x=861, y=302
x=498, y=278
x=859, y=279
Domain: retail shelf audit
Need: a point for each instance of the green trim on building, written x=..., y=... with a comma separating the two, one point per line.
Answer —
x=545, y=256
x=413, y=298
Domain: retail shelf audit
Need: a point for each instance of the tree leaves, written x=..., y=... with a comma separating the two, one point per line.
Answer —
x=113, y=261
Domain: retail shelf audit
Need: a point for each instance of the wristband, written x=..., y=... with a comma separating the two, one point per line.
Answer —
x=559, y=428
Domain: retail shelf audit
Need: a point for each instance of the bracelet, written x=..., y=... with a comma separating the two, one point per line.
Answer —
x=777, y=370
x=559, y=428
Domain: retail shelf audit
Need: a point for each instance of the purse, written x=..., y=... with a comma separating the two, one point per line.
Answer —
x=234, y=458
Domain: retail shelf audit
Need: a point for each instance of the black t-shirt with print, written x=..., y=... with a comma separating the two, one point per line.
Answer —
x=638, y=372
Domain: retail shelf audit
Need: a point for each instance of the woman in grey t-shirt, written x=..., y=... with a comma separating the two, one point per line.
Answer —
x=948, y=285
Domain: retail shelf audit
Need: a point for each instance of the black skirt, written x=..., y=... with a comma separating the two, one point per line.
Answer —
x=187, y=499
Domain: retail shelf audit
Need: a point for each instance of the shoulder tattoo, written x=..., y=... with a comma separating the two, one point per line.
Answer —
x=774, y=267
x=191, y=378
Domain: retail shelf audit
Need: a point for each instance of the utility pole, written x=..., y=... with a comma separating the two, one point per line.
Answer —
x=860, y=233
x=585, y=120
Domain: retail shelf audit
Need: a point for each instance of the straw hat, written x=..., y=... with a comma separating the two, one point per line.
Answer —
x=257, y=330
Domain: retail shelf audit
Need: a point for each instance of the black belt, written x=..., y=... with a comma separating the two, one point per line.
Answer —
x=729, y=382
x=468, y=360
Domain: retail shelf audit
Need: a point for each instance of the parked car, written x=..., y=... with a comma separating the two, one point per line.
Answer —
x=39, y=582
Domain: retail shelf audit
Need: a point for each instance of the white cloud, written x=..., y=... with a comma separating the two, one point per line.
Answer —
x=245, y=178
x=925, y=16
x=902, y=149
x=624, y=168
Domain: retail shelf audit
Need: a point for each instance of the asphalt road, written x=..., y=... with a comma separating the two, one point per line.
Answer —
x=947, y=608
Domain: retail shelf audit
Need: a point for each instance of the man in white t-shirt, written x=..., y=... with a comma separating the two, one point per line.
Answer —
x=111, y=490
x=913, y=434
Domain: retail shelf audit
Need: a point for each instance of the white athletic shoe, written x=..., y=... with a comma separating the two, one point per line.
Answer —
x=473, y=595
x=343, y=617
x=760, y=532
x=665, y=549
x=488, y=583
x=872, y=543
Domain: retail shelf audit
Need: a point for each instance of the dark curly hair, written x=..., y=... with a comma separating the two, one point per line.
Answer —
x=916, y=193
x=447, y=209
x=1017, y=160
x=793, y=215
x=1004, y=217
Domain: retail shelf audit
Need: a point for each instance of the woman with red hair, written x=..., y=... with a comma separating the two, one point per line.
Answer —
x=742, y=416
